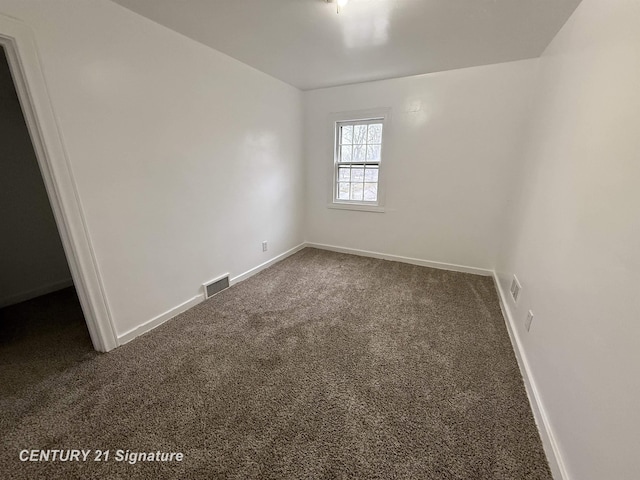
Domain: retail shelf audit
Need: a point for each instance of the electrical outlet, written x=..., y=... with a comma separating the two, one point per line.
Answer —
x=515, y=289
x=527, y=322
x=264, y=246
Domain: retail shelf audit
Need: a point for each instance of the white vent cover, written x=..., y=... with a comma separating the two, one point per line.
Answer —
x=515, y=289
x=216, y=285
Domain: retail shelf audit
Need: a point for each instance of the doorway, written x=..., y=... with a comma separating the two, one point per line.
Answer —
x=40, y=313
x=21, y=52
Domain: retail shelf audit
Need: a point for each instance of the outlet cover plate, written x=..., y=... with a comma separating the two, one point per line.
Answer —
x=527, y=322
x=515, y=289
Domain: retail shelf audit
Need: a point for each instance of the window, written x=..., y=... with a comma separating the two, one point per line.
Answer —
x=358, y=153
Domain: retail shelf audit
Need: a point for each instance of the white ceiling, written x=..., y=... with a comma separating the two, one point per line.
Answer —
x=305, y=43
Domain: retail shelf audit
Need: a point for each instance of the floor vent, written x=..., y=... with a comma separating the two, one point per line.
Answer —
x=216, y=286
x=515, y=289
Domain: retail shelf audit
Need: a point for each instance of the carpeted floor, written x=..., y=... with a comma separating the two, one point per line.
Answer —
x=39, y=338
x=323, y=366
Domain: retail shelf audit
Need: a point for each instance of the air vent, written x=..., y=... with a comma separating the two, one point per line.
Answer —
x=216, y=286
x=515, y=289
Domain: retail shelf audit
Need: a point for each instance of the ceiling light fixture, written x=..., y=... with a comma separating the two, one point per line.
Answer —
x=340, y=4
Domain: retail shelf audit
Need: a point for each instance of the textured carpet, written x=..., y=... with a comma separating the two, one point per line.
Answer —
x=323, y=366
x=39, y=338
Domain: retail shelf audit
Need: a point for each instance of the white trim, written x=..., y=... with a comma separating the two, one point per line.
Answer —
x=383, y=113
x=356, y=206
x=169, y=314
x=46, y=136
x=397, y=258
x=262, y=266
x=35, y=292
x=159, y=320
x=554, y=456
x=192, y=302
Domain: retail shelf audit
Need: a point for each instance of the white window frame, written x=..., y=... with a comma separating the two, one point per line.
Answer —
x=381, y=115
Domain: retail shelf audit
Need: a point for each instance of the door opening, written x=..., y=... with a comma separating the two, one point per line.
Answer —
x=20, y=51
x=38, y=304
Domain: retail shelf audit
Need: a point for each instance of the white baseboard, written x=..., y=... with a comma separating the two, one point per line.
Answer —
x=159, y=320
x=192, y=302
x=35, y=292
x=558, y=469
x=550, y=445
x=397, y=258
x=262, y=266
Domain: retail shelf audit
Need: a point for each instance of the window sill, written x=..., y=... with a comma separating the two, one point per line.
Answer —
x=356, y=206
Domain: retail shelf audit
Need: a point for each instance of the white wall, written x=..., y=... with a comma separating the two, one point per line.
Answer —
x=574, y=240
x=453, y=139
x=32, y=261
x=185, y=159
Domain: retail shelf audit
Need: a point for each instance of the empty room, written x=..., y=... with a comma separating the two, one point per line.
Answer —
x=320, y=239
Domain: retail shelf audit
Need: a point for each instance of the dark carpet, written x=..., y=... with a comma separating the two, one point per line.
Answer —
x=324, y=366
x=39, y=338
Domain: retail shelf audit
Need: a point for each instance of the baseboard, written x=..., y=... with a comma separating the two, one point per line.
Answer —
x=549, y=442
x=397, y=258
x=169, y=314
x=262, y=266
x=35, y=292
x=159, y=320
x=550, y=445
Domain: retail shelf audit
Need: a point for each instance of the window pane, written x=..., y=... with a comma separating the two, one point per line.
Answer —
x=358, y=153
x=343, y=191
x=371, y=174
x=371, y=192
x=347, y=134
x=358, y=144
x=375, y=133
x=357, y=174
x=356, y=191
x=373, y=153
x=345, y=153
x=360, y=134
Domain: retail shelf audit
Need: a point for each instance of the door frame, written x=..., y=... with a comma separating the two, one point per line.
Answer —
x=57, y=173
